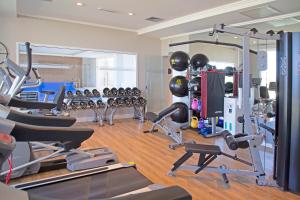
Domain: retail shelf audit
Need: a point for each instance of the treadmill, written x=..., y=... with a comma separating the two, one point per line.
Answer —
x=119, y=182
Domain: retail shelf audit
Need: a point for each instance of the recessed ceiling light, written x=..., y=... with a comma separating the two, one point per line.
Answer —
x=235, y=37
x=79, y=4
x=130, y=13
x=99, y=8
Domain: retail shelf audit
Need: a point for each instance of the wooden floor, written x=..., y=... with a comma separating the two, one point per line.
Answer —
x=154, y=159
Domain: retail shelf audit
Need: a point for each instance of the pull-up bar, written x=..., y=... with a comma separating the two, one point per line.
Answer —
x=211, y=42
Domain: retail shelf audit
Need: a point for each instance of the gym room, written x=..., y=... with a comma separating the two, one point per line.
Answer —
x=149, y=100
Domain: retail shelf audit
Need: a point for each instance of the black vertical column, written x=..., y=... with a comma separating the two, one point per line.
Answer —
x=294, y=172
x=283, y=112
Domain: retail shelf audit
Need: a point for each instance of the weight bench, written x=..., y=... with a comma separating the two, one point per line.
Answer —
x=207, y=154
x=160, y=120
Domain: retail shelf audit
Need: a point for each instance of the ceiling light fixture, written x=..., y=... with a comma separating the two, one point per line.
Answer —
x=130, y=13
x=79, y=4
x=235, y=37
x=99, y=8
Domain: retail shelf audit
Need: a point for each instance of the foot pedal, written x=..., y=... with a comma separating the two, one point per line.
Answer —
x=90, y=159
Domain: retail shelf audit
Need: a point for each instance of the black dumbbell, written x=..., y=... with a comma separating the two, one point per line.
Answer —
x=142, y=101
x=96, y=93
x=87, y=92
x=78, y=93
x=136, y=91
x=106, y=92
x=91, y=104
x=127, y=101
x=120, y=101
x=73, y=105
x=128, y=92
x=121, y=91
x=114, y=92
x=111, y=101
x=100, y=104
x=83, y=105
x=70, y=94
x=134, y=101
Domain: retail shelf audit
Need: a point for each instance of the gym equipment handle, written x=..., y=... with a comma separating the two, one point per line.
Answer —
x=29, y=57
x=36, y=73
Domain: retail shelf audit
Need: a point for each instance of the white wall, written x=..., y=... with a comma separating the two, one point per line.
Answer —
x=74, y=35
x=14, y=29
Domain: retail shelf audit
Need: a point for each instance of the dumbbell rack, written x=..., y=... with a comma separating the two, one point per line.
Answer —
x=74, y=102
x=106, y=109
x=117, y=102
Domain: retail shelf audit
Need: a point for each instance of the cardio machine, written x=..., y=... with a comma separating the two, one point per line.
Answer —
x=119, y=182
x=65, y=142
x=9, y=89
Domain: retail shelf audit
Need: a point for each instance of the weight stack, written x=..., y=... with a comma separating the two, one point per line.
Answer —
x=212, y=94
x=287, y=157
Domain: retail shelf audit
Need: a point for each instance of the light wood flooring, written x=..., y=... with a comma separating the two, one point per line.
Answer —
x=154, y=159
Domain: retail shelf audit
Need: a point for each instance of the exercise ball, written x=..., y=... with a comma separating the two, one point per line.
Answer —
x=199, y=61
x=229, y=71
x=179, y=61
x=195, y=84
x=228, y=87
x=179, y=86
x=182, y=115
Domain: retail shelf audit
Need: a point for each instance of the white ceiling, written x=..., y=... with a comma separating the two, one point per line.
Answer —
x=142, y=9
x=180, y=17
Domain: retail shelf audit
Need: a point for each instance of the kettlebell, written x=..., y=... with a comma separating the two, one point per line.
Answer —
x=199, y=105
x=194, y=122
x=195, y=104
x=201, y=124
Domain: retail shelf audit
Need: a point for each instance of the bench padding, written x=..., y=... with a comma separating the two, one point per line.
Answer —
x=203, y=148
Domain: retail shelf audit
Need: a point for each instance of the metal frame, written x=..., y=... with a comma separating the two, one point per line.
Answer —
x=253, y=137
x=176, y=136
x=56, y=152
x=73, y=175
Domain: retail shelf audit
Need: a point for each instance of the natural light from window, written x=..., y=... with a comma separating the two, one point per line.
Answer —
x=116, y=70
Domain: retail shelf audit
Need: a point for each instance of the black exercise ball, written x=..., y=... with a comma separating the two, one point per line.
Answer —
x=179, y=61
x=229, y=71
x=199, y=61
x=182, y=115
x=195, y=84
x=179, y=86
x=228, y=87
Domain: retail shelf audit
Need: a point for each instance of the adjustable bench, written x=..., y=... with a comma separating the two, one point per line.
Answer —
x=160, y=121
x=208, y=153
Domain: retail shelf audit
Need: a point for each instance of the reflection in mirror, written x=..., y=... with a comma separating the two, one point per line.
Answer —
x=84, y=67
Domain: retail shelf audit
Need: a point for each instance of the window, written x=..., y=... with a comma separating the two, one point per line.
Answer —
x=270, y=74
x=116, y=70
x=223, y=65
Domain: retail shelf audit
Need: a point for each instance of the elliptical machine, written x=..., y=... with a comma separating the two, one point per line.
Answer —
x=67, y=141
x=10, y=89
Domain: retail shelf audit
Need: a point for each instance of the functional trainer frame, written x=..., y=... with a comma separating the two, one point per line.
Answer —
x=253, y=137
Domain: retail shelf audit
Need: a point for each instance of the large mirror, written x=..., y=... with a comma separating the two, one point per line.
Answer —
x=83, y=67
